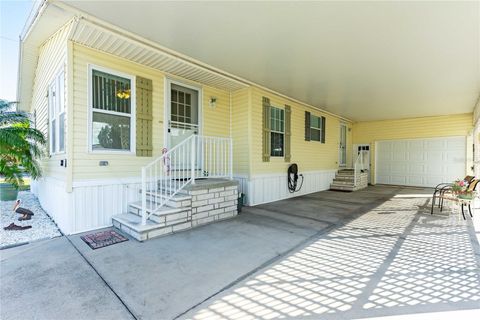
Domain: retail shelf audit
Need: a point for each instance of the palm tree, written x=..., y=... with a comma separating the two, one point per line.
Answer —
x=20, y=145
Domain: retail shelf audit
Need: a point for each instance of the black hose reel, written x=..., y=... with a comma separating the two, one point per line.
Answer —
x=292, y=178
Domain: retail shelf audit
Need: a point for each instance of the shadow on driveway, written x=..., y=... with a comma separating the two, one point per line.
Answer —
x=330, y=254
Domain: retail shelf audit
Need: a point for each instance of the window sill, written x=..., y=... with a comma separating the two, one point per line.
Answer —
x=107, y=152
x=57, y=154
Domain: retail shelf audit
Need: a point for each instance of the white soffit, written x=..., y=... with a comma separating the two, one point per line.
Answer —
x=98, y=37
x=361, y=60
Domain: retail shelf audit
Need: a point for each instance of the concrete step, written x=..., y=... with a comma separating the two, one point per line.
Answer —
x=345, y=178
x=136, y=208
x=345, y=174
x=178, y=200
x=342, y=183
x=342, y=187
x=131, y=224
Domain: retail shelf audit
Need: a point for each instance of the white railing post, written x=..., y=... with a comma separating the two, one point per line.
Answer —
x=231, y=159
x=192, y=160
x=144, y=196
x=355, y=174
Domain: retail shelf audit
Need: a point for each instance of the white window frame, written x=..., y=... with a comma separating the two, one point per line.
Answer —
x=56, y=108
x=132, y=114
x=315, y=128
x=275, y=131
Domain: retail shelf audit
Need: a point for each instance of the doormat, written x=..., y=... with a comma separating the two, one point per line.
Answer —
x=103, y=239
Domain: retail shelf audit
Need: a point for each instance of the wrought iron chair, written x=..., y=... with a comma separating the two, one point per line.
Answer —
x=443, y=188
x=448, y=195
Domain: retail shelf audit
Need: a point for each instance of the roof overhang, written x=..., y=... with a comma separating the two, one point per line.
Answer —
x=362, y=60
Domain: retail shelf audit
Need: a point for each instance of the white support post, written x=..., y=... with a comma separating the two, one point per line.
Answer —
x=144, y=196
x=192, y=160
x=355, y=174
x=231, y=159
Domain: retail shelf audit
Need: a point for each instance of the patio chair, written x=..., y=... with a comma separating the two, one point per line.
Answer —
x=448, y=195
x=442, y=188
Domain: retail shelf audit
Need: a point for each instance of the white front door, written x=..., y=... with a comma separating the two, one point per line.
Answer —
x=342, y=156
x=420, y=162
x=183, y=120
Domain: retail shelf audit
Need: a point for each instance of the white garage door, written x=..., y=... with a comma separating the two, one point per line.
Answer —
x=420, y=162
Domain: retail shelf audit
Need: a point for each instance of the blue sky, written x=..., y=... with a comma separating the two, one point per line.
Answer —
x=13, y=15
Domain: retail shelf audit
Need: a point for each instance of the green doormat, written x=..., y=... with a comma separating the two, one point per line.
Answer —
x=103, y=239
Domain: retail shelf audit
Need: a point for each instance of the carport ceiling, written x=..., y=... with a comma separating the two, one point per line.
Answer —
x=362, y=60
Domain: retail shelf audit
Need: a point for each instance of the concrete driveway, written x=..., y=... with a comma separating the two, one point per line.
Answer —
x=329, y=255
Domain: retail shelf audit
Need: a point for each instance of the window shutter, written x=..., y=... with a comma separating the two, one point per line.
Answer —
x=323, y=129
x=266, y=130
x=144, y=108
x=307, y=126
x=288, y=133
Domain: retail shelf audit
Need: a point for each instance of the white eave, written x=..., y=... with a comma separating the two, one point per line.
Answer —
x=102, y=38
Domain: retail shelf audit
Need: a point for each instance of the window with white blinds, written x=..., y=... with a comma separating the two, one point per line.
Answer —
x=111, y=111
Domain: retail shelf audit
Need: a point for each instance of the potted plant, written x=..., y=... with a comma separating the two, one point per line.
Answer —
x=460, y=189
x=20, y=148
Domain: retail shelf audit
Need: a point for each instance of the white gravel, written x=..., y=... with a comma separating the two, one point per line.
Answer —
x=42, y=226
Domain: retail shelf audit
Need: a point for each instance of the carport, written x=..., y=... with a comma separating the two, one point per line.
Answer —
x=328, y=255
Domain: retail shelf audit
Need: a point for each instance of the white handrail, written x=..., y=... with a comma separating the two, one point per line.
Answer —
x=358, y=161
x=193, y=158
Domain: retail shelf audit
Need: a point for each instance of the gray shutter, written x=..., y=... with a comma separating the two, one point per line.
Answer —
x=266, y=130
x=144, y=106
x=307, y=126
x=323, y=129
x=288, y=133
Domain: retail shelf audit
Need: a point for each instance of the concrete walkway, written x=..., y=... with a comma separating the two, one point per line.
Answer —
x=331, y=255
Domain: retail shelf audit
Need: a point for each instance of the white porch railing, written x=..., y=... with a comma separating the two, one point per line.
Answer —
x=359, y=165
x=193, y=158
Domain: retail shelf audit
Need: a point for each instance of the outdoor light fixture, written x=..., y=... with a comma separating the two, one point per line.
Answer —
x=213, y=102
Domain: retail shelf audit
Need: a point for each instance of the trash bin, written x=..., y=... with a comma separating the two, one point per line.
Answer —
x=241, y=198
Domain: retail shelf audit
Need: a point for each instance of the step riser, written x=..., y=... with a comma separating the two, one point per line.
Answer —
x=171, y=219
x=346, y=184
x=170, y=203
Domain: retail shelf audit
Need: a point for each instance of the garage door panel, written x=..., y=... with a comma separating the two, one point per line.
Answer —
x=398, y=168
x=435, y=169
x=420, y=162
x=417, y=156
x=417, y=169
x=415, y=181
x=398, y=180
x=435, y=145
x=434, y=156
x=416, y=145
x=399, y=155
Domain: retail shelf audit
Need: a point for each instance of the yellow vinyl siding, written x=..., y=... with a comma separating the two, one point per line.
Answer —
x=240, y=131
x=414, y=128
x=52, y=59
x=309, y=155
x=86, y=164
x=216, y=121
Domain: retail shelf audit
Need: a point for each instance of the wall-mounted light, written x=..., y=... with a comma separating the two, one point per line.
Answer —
x=213, y=102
